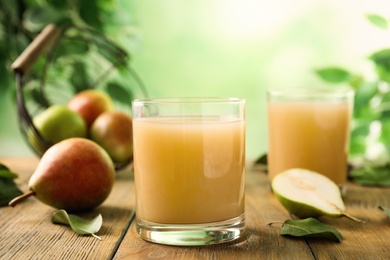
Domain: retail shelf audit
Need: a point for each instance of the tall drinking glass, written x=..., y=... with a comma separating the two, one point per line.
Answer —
x=309, y=128
x=189, y=169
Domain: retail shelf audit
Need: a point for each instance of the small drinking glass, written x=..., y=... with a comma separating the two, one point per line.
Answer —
x=189, y=169
x=309, y=128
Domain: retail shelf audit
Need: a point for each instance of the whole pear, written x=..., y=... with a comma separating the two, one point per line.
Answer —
x=58, y=123
x=75, y=174
x=90, y=104
x=114, y=132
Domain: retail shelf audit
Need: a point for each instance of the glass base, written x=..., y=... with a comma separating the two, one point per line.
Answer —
x=191, y=234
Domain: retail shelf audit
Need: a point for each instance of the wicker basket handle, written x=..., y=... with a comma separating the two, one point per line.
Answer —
x=36, y=48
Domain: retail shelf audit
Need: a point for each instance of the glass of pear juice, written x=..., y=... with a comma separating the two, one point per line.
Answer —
x=189, y=169
x=309, y=128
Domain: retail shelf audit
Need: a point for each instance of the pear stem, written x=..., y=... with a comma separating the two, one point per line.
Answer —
x=275, y=222
x=353, y=218
x=96, y=236
x=24, y=196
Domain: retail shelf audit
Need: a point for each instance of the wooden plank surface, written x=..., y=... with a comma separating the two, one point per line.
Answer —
x=370, y=240
x=26, y=231
x=361, y=241
x=260, y=241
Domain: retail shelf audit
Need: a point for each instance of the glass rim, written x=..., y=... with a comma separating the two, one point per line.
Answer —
x=188, y=100
x=316, y=91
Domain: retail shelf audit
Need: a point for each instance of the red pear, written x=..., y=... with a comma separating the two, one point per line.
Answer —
x=114, y=132
x=90, y=104
x=75, y=174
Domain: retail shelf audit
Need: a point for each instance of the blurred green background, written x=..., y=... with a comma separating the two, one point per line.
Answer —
x=235, y=48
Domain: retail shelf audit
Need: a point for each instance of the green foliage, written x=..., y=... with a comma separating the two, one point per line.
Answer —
x=116, y=91
x=386, y=210
x=378, y=20
x=334, y=75
x=382, y=64
x=8, y=188
x=76, y=56
x=373, y=176
x=370, y=135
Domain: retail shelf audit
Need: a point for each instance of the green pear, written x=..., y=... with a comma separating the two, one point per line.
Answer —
x=58, y=123
x=75, y=175
x=306, y=193
x=114, y=132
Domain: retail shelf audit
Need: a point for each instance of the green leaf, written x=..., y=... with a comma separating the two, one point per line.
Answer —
x=74, y=46
x=58, y=4
x=385, y=136
x=79, y=77
x=381, y=57
x=384, y=106
x=387, y=210
x=262, y=163
x=113, y=54
x=8, y=188
x=355, y=81
x=358, y=137
x=383, y=71
x=262, y=159
x=6, y=174
x=363, y=94
x=79, y=225
x=382, y=61
x=357, y=146
x=119, y=93
x=310, y=228
x=37, y=18
x=372, y=175
x=333, y=75
x=33, y=93
x=88, y=10
x=378, y=21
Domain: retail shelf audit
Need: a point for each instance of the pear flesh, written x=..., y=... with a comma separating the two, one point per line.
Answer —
x=306, y=193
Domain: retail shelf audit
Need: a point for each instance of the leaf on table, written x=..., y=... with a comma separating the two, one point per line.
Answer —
x=79, y=225
x=262, y=163
x=310, y=228
x=8, y=188
x=372, y=175
x=387, y=210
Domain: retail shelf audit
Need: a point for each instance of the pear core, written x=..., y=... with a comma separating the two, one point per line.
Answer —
x=306, y=193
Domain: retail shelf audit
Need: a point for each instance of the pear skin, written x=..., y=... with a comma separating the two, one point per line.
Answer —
x=58, y=122
x=89, y=104
x=114, y=132
x=75, y=174
x=306, y=194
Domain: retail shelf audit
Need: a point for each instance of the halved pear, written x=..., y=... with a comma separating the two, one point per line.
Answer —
x=306, y=193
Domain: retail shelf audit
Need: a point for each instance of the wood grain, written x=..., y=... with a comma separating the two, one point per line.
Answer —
x=26, y=231
x=370, y=240
x=262, y=241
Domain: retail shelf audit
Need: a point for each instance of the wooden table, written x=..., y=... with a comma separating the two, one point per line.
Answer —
x=26, y=231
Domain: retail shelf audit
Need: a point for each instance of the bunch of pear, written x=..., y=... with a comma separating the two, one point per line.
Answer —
x=89, y=137
x=89, y=114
